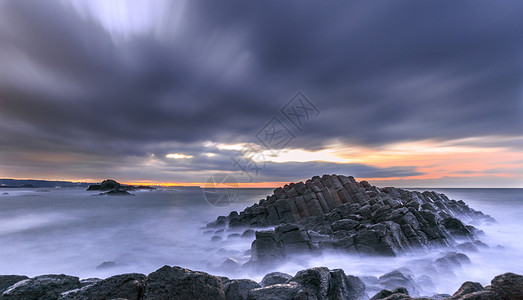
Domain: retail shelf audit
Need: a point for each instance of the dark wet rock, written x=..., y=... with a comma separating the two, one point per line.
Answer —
x=381, y=295
x=275, y=278
x=94, y=187
x=316, y=280
x=109, y=184
x=275, y=292
x=113, y=188
x=483, y=295
x=8, y=280
x=345, y=287
x=466, y=288
x=239, y=289
x=395, y=294
x=266, y=248
x=456, y=228
x=42, y=287
x=179, y=283
x=126, y=286
x=216, y=238
x=508, y=286
x=338, y=213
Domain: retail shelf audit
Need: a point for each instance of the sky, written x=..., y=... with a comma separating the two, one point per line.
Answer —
x=400, y=93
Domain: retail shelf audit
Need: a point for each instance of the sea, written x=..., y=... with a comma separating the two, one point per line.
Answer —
x=77, y=232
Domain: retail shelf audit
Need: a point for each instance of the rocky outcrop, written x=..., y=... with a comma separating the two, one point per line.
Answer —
x=113, y=188
x=178, y=283
x=337, y=212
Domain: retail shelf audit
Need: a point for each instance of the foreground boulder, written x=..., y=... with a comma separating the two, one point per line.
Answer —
x=41, y=287
x=337, y=212
x=315, y=283
x=275, y=278
x=125, y=286
x=239, y=289
x=178, y=283
x=175, y=283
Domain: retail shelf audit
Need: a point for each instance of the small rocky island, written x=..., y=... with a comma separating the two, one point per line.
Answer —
x=113, y=188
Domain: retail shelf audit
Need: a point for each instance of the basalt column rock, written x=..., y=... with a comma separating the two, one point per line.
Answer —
x=339, y=213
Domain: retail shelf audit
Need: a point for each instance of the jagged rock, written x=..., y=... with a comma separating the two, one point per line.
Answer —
x=266, y=248
x=275, y=278
x=110, y=184
x=239, y=289
x=396, y=294
x=42, y=287
x=456, y=228
x=178, y=283
x=508, y=286
x=345, y=287
x=8, y=280
x=127, y=286
x=466, y=288
x=316, y=280
x=337, y=212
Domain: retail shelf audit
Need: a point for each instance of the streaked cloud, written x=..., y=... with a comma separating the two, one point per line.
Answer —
x=409, y=92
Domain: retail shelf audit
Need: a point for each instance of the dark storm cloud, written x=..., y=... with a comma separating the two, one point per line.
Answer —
x=379, y=72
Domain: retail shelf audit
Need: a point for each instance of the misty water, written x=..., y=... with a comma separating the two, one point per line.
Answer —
x=72, y=231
